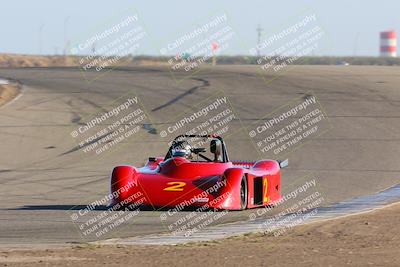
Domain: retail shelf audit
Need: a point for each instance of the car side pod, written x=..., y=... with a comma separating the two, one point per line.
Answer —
x=123, y=182
x=267, y=190
x=230, y=193
x=271, y=166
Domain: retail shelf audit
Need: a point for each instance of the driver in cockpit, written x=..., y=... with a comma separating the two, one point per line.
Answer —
x=183, y=150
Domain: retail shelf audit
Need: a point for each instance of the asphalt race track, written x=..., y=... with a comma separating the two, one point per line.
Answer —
x=43, y=174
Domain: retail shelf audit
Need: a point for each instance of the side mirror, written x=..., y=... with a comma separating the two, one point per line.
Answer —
x=215, y=146
x=283, y=163
x=216, y=149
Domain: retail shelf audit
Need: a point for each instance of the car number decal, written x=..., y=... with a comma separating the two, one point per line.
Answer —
x=265, y=183
x=175, y=186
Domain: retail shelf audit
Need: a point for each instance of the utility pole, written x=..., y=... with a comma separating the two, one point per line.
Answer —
x=355, y=49
x=40, y=38
x=93, y=48
x=65, y=36
x=259, y=32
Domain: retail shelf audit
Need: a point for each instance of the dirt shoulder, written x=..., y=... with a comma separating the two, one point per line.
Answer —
x=371, y=238
x=8, y=92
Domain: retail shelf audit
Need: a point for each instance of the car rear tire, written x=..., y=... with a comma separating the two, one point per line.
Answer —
x=243, y=193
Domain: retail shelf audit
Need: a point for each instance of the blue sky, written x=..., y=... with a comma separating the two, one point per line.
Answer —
x=352, y=26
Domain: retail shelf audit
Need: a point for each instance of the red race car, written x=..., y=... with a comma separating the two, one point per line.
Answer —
x=191, y=176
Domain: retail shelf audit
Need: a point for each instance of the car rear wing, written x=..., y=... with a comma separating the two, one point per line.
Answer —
x=283, y=163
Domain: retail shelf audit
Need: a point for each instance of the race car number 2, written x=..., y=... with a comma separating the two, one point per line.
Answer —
x=175, y=186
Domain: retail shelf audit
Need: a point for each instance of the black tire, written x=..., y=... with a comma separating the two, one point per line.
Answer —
x=243, y=193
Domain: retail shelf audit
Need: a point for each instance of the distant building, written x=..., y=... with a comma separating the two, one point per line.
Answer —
x=388, y=40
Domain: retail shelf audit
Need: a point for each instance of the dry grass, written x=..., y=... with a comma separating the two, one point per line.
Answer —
x=14, y=61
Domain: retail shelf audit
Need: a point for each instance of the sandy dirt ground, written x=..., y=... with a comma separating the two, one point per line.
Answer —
x=368, y=239
x=7, y=93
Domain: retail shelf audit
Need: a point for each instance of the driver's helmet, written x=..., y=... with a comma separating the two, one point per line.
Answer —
x=182, y=149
